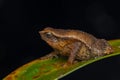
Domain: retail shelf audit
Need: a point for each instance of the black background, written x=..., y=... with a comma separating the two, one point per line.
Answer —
x=20, y=21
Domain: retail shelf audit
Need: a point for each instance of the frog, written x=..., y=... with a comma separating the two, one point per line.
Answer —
x=74, y=44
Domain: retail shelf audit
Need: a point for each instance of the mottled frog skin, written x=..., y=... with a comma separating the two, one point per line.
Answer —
x=75, y=44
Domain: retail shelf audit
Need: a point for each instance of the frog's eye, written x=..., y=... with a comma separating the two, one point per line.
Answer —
x=49, y=35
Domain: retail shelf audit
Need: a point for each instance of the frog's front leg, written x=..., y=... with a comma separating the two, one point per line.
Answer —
x=74, y=51
x=50, y=55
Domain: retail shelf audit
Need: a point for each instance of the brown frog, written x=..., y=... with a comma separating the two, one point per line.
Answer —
x=75, y=44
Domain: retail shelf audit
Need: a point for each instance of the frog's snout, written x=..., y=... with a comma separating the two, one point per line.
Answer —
x=40, y=32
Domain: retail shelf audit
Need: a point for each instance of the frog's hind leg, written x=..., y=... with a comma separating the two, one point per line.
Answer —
x=74, y=51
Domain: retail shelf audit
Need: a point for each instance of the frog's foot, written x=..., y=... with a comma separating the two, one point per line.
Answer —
x=70, y=64
x=66, y=65
x=49, y=56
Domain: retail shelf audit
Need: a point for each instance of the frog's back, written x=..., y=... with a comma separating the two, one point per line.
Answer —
x=84, y=37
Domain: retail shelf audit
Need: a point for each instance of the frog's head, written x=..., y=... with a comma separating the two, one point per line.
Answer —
x=48, y=35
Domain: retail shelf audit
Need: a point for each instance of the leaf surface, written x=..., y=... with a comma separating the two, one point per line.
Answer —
x=52, y=69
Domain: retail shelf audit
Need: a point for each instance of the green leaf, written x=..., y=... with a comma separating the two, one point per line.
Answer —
x=52, y=69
